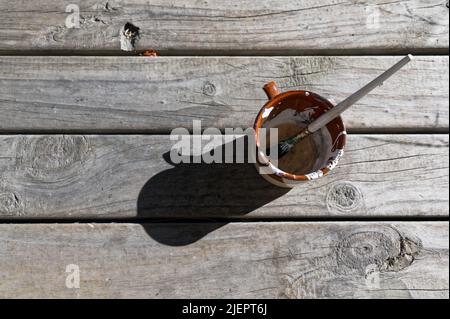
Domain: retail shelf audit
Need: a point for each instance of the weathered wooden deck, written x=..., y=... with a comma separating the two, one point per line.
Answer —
x=85, y=180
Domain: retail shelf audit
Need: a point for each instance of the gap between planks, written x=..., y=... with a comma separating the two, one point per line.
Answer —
x=248, y=220
x=375, y=131
x=232, y=53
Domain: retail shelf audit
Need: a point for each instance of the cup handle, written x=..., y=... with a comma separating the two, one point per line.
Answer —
x=271, y=90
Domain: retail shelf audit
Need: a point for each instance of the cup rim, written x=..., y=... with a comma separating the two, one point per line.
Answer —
x=266, y=161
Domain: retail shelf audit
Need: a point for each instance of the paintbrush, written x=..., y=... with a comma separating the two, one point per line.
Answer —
x=285, y=146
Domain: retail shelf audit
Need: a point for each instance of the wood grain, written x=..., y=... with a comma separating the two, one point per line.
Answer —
x=105, y=94
x=240, y=260
x=216, y=26
x=116, y=176
x=90, y=177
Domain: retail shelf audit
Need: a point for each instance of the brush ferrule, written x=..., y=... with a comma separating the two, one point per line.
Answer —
x=302, y=135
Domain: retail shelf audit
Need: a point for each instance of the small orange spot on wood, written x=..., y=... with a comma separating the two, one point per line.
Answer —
x=150, y=53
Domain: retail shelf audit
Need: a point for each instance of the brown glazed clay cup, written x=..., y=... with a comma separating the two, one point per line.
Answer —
x=299, y=108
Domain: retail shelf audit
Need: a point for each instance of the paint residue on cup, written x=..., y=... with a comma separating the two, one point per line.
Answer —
x=312, y=157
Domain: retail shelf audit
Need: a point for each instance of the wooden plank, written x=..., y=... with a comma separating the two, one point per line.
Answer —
x=243, y=260
x=170, y=26
x=115, y=176
x=105, y=94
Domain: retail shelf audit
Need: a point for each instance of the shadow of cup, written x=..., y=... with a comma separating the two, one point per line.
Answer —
x=206, y=194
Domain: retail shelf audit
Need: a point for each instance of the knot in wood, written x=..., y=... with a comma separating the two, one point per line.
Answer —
x=129, y=36
x=362, y=249
x=52, y=156
x=10, y=204
x=209, y=89
x=344, y=197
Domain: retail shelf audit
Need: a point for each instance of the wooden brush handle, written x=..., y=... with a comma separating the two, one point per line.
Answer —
x=344, y=105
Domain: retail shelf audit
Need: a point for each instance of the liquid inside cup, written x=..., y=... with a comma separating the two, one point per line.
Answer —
x=317, y=151
x=304, y=158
